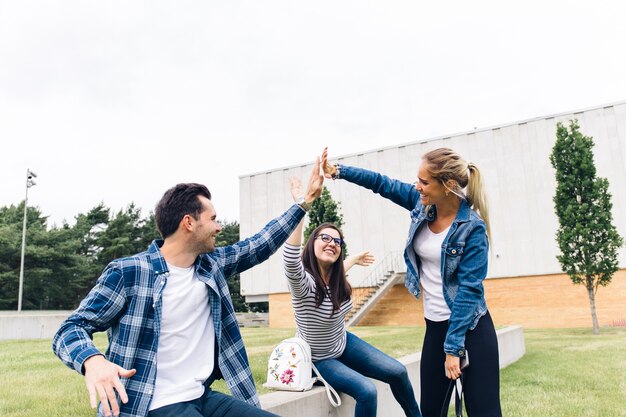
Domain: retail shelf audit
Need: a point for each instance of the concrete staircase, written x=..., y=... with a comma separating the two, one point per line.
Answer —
x=369, y=291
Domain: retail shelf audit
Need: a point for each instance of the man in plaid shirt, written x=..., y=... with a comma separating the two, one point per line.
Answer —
x=170, y=319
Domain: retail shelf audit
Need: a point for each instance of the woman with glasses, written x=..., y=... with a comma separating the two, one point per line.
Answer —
x=446, y=255
x=320, y=295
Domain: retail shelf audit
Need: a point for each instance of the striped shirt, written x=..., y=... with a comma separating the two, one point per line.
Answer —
x=126, y=301
x=325, y=332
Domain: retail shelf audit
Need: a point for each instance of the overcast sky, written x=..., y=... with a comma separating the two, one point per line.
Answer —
x=116, y=101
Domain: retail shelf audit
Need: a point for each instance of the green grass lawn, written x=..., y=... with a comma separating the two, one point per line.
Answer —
x=569, y=373
x=565, y=372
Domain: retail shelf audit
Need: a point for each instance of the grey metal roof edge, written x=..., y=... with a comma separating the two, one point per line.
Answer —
x=447, y=136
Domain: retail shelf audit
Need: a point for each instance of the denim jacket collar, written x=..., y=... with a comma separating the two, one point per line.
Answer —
x=462, y=216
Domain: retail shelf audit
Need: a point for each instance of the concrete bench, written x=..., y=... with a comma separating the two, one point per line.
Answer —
x=313, y=403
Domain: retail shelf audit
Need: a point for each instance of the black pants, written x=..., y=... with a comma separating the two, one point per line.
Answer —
x=481, y=380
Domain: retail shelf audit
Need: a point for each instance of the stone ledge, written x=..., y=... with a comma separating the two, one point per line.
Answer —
x=313, y=403
x=30, y=324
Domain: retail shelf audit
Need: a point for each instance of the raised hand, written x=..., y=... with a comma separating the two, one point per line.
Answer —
x=316, y=183
x=329, y=170
x=362, y=259
x=295, y=186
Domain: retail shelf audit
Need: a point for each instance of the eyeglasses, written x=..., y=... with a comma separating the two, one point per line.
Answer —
x=328, y=238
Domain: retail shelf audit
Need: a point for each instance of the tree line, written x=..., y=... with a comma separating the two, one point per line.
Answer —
x=63, y=263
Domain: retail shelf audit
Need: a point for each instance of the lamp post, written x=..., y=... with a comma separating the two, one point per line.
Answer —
x=29, y=183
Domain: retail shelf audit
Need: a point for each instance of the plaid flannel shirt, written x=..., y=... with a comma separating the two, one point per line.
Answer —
x=126, y=301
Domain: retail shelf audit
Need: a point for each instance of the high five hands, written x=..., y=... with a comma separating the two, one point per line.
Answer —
x=314, y=187
x=329, y=170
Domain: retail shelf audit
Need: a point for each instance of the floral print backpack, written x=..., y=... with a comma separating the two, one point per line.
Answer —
x=290, y=368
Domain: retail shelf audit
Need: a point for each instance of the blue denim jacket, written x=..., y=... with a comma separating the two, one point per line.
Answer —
x=464, y=253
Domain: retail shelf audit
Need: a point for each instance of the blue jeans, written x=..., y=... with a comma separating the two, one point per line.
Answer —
x=349, y=374
x=211, y=404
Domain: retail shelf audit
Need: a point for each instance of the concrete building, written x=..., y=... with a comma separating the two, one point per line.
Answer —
x=525, y=284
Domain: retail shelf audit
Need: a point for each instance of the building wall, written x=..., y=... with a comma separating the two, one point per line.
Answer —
x=553, y=301
x=514, y=160
x=532, y=301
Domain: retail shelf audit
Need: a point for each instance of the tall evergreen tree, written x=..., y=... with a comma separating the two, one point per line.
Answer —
x=122, y=236
x=87, y=229
x=10, y=245
x=58, y=274
x=148, y=231
x=63, y=263
x=587, y=238
x=11, y=219
x=54, y=270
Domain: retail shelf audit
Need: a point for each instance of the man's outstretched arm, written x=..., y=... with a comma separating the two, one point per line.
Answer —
x=256, y=249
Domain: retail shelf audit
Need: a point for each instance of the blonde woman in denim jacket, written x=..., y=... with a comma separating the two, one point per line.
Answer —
x=446, y=255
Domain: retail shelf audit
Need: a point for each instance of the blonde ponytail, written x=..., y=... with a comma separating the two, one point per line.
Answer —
x=476, y=196
x=449, y=167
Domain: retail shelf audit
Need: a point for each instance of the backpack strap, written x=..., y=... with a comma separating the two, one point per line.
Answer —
x=332, y=395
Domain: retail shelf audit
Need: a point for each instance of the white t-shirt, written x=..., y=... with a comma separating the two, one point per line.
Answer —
x=427, y=246
x=185, y=354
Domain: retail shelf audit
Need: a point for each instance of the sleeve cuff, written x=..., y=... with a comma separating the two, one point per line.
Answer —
x=79, y=362
x=337, y=174
x=460, y=351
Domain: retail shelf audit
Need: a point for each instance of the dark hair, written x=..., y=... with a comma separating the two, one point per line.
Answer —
x=178, y=201
x=339, y=287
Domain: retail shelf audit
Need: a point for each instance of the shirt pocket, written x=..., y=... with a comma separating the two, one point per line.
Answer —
x=453, y=255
